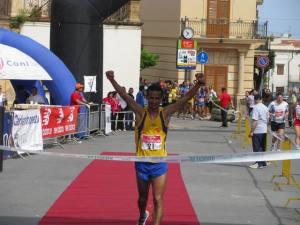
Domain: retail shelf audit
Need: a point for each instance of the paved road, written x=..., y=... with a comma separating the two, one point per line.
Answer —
x=221, y=194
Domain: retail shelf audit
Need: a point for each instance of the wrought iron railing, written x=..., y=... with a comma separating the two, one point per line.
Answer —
x=42, y=6
x=222, y=28
x=121, y=15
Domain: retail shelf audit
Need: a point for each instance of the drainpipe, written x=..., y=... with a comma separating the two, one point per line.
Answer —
x=289, y=62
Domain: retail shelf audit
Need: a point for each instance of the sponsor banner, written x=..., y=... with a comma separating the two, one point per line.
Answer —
x=27, y=130
x=16, y=65
x=58, y=121
x=186, y=54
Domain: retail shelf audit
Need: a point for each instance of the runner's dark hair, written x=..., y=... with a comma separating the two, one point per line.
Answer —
x=155, y=87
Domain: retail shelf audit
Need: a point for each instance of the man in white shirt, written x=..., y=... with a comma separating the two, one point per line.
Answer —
x=278, y=110
x=35, y=98
x=259, y=128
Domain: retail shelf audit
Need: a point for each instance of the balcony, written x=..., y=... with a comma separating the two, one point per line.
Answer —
x=11, y=8
x=223, y=28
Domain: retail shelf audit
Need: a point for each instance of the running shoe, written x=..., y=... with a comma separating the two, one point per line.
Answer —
x=262, y=166
x=143, y=220
x=254, y=166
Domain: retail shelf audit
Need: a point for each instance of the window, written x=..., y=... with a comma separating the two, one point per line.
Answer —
x=280, y=69
x=280, y=89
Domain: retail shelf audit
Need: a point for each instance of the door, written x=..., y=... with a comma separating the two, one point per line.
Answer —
x=218, y=17
x=4, y=8
x=216, y=76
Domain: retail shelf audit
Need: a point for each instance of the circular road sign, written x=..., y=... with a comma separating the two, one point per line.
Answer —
x=202, y=57
x=262, y=61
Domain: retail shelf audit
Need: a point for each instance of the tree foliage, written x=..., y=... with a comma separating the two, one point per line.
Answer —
x=148, y=59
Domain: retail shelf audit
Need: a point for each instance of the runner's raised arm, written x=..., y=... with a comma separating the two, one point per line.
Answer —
x=137, y=109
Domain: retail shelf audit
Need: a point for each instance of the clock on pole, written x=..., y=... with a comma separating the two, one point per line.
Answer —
x=188, y=33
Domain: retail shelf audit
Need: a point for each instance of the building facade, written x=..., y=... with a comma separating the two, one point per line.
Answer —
x=286, y=73
x=226, y=29
x=121, y=37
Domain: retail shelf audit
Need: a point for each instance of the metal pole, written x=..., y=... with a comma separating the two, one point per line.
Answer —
x=1, y=136
x=261, y=82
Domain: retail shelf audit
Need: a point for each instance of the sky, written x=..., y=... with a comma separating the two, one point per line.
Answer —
x=283, y=16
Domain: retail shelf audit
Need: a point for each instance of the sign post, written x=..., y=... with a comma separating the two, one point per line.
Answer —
x=186, y=54
x=262, y=62
x=202, y=58
x=1, y=136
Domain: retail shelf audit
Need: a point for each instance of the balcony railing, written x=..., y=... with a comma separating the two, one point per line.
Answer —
x=223, y=28
x=43, y=5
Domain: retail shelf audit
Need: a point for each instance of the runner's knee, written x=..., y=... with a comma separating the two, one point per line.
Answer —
x=157, y=199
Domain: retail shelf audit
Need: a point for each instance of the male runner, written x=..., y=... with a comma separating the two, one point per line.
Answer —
x=278, y=110
x=151, y=132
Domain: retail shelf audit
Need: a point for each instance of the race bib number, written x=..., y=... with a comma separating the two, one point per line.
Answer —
x=279, y=116
x=151, y=142
x=201, y=99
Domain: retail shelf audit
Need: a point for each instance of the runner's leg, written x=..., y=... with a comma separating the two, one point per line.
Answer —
x=280, y=133
x=143, y=190
x=158, y=187
x=297, y=131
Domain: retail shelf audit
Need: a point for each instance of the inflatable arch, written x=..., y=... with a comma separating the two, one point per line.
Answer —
x=63, y=81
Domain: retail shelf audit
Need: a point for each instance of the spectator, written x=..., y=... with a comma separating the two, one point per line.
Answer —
x=250, y=102
x=267, y=97
x=292, y=100
x=121, y=117
x=129, y=115
x=225, y=100
x=35, y=98
x=212, y=96
x=260, y=118
x=140, y=97
x=77, y=97
x=200, y=103
x=115, y=108
x=21, y=95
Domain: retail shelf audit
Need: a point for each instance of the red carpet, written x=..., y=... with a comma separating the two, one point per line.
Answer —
x=106, y=193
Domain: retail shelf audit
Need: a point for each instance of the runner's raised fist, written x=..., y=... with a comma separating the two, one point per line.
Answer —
x=200, y=79
x=110, y=75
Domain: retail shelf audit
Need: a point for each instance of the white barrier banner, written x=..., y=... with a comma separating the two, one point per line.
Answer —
x=27, y=130
x=107, y=119
x=212, y=158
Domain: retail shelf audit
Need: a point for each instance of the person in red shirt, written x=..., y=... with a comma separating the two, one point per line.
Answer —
x=225, y=100
x=77, y=97
x=115, y=107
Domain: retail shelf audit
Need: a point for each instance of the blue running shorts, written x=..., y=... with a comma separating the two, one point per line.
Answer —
x=146, y=171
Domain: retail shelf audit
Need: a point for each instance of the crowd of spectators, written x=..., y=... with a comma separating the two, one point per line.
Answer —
x=199, y=107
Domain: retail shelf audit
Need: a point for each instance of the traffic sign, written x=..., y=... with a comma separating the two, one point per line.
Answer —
x=202, y=57
x=262, y=61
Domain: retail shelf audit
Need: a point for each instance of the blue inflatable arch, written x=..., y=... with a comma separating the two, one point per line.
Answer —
x=63, y=82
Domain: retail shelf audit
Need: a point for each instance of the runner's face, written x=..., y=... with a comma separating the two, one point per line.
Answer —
x=279, y=98
x=154, y=99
